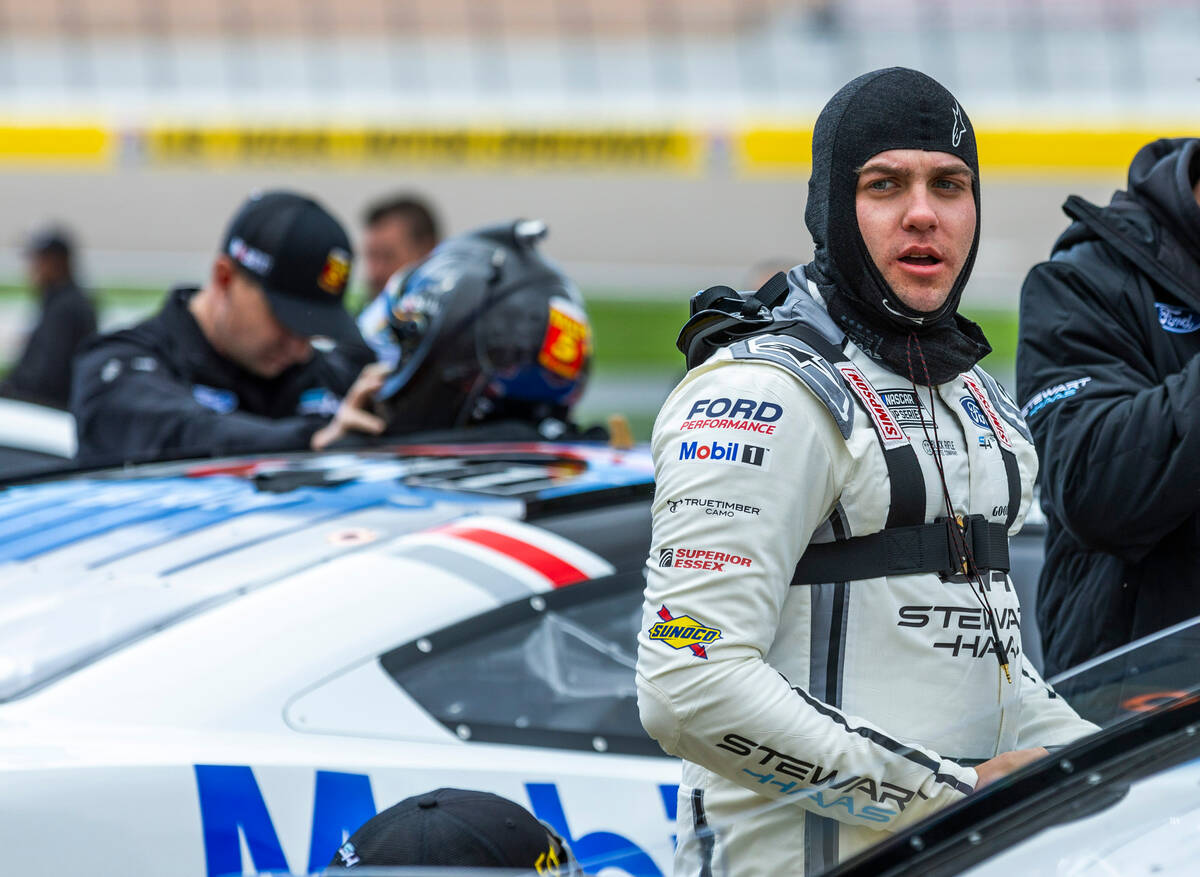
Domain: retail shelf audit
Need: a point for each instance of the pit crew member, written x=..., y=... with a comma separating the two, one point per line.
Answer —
x=231, y=367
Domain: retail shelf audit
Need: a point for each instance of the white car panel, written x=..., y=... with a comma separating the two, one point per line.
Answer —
x=193, y=658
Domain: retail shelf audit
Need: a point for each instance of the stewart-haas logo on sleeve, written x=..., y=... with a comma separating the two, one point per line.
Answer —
x=683, y=632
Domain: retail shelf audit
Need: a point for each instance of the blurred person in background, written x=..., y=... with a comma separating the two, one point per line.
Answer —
x=1108, y=369
x=460, y=829
x=264, y=357
x=485, y=332
x=65, y=319
x=831, y=640
x=399, y=232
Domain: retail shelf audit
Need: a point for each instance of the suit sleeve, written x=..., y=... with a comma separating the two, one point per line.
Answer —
x=1120, y=446
x=1046, y=719
x=726, y=580
x=123, y=413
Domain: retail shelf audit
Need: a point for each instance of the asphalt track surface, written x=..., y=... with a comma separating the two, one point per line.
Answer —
x=639, y=233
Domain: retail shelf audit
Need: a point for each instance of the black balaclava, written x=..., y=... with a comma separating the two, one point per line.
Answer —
x=895, y=108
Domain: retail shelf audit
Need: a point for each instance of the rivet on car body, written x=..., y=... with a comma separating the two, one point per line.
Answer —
x=974, y=838
x=1066, y=766
x=599, y=744
x=917, y=844
x=424, y=645
x=538, y=604
x=463, y=732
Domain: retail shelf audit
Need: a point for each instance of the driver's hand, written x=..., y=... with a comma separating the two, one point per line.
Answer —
x=1005, y=763
x=353, y=415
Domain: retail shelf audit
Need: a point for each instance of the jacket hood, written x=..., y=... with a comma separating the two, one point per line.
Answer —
x=1155, y=223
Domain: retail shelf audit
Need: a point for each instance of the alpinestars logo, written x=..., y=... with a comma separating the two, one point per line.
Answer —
x=959, y=129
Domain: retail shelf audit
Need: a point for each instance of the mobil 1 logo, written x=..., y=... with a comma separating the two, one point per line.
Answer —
x=736, y=453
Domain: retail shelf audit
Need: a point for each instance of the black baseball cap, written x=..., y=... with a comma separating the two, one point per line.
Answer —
x=300, y=255
x=51, y=240
x=456, y=828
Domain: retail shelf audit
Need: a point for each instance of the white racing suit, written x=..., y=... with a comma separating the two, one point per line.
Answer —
x=813, y=717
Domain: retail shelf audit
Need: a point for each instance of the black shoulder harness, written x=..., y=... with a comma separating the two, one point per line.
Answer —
x=743, y=322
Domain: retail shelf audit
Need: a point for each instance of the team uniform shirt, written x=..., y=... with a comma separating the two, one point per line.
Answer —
x=811, y=718
x=160, y=389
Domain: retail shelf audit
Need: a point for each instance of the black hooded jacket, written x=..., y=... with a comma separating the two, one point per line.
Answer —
x=159, y=389
x=1109, y=379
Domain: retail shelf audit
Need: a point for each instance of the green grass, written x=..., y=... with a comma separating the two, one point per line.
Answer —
x=633, y=335
x=639, y=336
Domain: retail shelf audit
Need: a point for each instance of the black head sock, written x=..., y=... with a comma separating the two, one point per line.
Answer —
x=895, y=108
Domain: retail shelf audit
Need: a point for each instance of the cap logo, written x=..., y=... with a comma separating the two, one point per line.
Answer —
x=348, y=854
x=548, y=864
x=249, y=257
x=335, y=273
x=959, y=129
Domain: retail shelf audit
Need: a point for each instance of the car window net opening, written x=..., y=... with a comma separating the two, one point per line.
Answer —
x=558, y=671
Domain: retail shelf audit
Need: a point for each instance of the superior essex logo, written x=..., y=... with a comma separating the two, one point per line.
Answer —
x=748, y=415
x=700, y=558
x=683, y=632
x=725, y=452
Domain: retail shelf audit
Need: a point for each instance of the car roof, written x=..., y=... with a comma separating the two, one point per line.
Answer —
x=94, y=561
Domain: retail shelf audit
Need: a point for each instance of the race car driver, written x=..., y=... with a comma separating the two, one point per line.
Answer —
x=830, y=638
x=231, y=368
x=484, y=333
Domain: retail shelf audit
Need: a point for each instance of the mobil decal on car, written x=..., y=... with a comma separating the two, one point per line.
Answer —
x=240, y=835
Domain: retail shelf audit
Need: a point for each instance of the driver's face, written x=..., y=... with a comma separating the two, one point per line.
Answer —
x=916, y=214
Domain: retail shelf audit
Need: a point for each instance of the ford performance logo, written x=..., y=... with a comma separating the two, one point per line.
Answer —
x=1175, y=319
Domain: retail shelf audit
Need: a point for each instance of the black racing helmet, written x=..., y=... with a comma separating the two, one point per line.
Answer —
x=485, y=329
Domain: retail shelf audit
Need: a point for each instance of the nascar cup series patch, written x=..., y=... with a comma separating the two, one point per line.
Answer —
x=683, y=632
x=568, y=340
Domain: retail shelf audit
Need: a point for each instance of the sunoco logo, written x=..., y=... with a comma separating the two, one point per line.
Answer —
x=683, y=632
x=728, y=452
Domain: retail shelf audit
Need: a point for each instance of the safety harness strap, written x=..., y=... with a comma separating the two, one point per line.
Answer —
x=907, y=505
x=896, y=551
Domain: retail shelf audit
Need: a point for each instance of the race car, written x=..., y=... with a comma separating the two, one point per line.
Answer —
x=34, y=438
x=226, y=667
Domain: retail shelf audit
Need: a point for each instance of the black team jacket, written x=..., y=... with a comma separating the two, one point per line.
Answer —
x=159, y=389
x=42, y=374
x=1108, y=375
